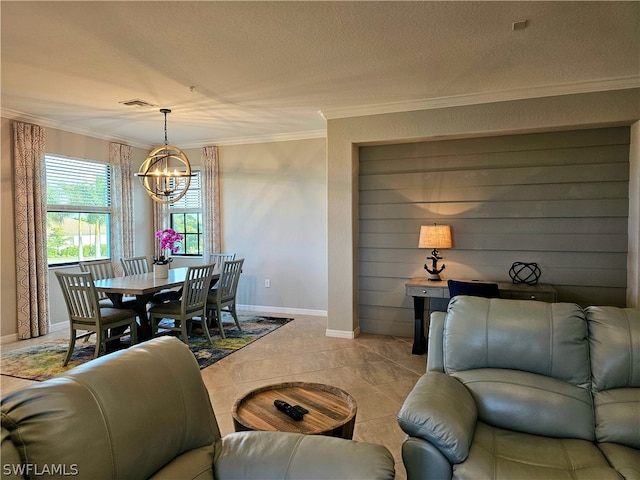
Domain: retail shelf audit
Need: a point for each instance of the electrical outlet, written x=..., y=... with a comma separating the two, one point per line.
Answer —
x=267, y=283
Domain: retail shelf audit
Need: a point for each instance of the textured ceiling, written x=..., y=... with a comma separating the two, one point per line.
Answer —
x=251, y=70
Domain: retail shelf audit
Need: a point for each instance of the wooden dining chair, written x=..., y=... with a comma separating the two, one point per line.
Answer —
x=192, y=304
x=100, y=269
x=86, y=314
x=219, y=258
x=139, y=265
x=135, y=265
x=223, y=297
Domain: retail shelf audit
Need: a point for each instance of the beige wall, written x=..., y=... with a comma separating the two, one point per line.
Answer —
x=7, y=244
x=274, y=215
x=344, y=135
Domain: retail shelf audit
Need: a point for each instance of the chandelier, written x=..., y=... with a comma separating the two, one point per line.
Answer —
x=166, y=173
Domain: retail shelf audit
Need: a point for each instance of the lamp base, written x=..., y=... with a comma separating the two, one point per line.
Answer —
x=434, y=278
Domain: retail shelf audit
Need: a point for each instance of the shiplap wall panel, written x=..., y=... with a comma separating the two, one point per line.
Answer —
x=595, y=154
x=490, y=193
x=545, y=141
x=530, y=175
x=559, y=199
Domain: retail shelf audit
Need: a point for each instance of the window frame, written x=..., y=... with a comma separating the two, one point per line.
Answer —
x=66, y=208
x=182, y=207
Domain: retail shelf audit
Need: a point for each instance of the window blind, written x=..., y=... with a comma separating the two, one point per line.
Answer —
x=77, y=183
x=192, y=199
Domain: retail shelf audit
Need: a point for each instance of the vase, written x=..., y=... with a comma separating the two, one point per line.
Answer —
x=161, y=270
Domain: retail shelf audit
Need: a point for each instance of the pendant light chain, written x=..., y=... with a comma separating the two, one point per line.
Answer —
x=165, y=128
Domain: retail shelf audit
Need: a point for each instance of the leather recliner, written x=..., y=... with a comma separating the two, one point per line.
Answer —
x=145, y=413
x=526, y=389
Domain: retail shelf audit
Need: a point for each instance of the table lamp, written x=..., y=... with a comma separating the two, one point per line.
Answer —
x=435, y=237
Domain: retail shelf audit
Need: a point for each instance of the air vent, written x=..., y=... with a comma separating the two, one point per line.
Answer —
x=137, y=103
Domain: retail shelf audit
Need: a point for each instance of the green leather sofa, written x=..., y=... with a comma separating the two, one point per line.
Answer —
x=520, y=389
x=145, y=413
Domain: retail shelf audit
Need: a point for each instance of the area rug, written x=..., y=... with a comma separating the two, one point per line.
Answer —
x=44, y=360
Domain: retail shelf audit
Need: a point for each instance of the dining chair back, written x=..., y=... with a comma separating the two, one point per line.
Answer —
x=192, y=304
x=100, y=269
x=219, y=258
x=135, y=265
x=473, y=289
x=86, y=314
x=223, y=297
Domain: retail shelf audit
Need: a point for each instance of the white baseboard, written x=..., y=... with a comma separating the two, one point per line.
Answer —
x=13, y=337
x=343, y=333
x=54, y=327
x=282, y=310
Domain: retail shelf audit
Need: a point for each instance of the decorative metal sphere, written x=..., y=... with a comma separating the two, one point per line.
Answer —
x=166, y=174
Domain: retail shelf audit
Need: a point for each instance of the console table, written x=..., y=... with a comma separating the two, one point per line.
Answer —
x=420, y=288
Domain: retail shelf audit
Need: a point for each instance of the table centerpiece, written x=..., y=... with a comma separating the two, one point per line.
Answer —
x=167, y=240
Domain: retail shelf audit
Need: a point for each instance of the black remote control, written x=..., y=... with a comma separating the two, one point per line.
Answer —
x=296, y=412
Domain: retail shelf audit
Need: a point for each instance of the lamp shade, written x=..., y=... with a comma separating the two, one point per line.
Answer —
x=435, y=236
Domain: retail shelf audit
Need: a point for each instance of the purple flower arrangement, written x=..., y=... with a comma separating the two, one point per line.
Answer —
x=167, y=239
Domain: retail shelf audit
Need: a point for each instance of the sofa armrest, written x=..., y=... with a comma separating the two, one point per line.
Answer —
x=422, y=460
x=278, y=455
x=441, y=411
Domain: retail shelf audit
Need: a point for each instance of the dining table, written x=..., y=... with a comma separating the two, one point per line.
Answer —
x=142, y=286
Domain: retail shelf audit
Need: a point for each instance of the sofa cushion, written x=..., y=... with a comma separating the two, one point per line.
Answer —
x=295, y=456
x=530, y=403
x=618, y=416
x=614, y=337
x=503, y=454
x=625, y=460
x=544, y=338
x=11, y=461
x=196, y=464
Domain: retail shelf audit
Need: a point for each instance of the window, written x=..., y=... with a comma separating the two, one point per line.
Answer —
x=186, y=218
x=78, y=210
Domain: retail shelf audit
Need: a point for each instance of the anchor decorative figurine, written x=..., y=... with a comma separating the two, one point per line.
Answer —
x=435, y=237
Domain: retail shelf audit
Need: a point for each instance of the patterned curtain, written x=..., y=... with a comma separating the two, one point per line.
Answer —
x=160, y=222
x=211, y=201
x=122, y=230
x=30, y=210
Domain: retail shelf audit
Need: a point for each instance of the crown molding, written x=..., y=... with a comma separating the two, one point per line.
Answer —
x=48, y=123
x=277, y=137
x=588, y=86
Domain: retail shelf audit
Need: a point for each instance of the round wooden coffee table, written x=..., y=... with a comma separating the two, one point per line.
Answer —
x=332, y=411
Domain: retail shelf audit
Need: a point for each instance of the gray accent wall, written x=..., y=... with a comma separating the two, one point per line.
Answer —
x=559, y=199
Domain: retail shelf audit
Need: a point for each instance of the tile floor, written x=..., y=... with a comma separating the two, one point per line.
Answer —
x=378, y=371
